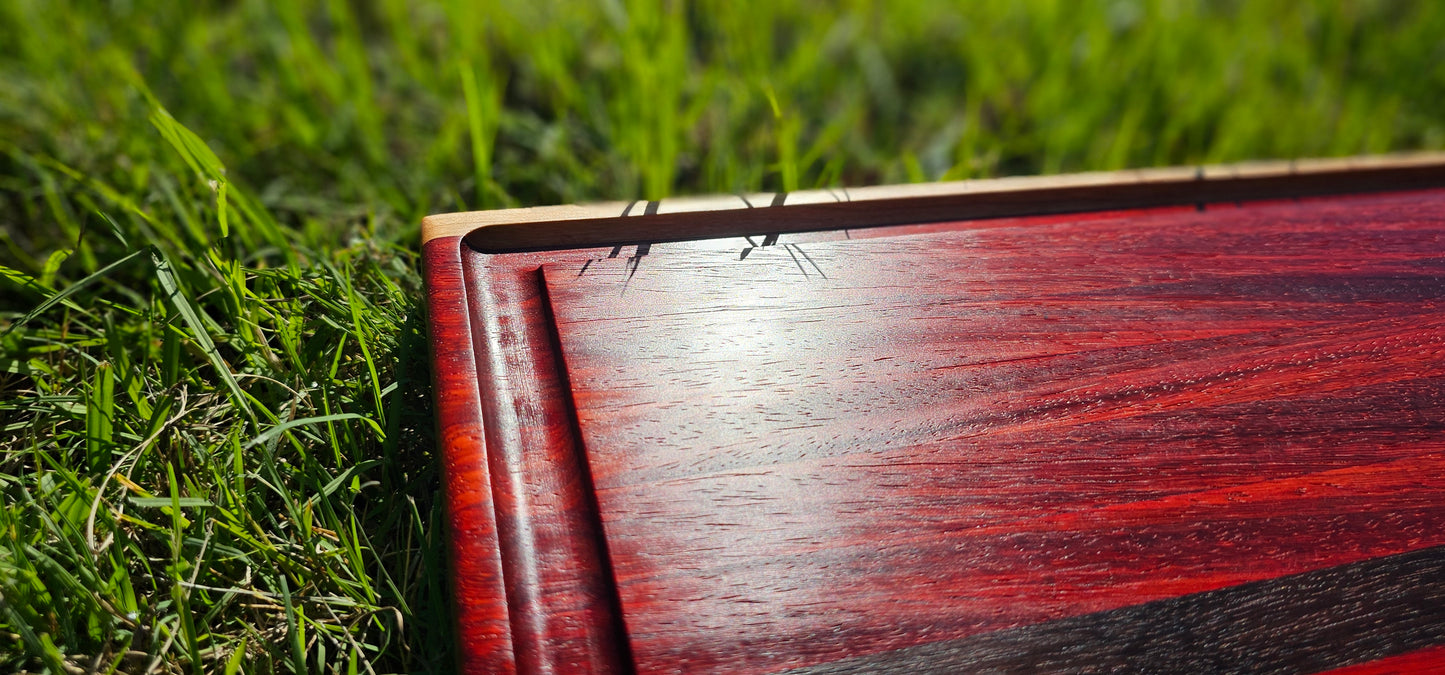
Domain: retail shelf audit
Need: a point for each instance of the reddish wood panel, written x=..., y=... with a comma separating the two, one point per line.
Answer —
x=521, y=498
x=484, y=642
x=809, y=452
x=559, y=589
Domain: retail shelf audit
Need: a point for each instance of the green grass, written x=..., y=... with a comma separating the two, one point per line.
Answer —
x=216, y=450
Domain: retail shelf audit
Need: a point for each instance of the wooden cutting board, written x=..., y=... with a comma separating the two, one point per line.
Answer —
x=1172, y=420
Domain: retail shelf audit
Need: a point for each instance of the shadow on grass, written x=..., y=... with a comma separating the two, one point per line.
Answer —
x=405, y=520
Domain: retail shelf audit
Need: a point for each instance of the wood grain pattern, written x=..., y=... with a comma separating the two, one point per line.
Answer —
x=1301, y=623
x=529, y=515
x=559, y=589
x=1428, y=661
x=535, y=578
x=484, y=642
x=810, y=452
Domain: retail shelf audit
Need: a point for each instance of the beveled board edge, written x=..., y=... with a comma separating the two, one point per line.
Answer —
x=570, y=226
x=559, y=588
x=479, y=600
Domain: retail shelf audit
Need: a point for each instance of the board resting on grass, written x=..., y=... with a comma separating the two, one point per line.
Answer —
x=1171, y=420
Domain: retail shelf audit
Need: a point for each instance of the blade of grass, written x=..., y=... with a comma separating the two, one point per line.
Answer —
x=295, y=628
x=70, y=290
x=484, y=104
x=276, y=431
x=198, y=333
x=179, y=593
x=99, y=418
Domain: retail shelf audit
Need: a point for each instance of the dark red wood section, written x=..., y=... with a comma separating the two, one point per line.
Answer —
x=826, y=450
x=484, y=644
x=558, y=584
x=1159, y=440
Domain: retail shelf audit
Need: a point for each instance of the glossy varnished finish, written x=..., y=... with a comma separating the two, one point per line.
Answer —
x=1150, y=439
x=558, y=586
x=836, y=449
x=558, y=598
x=484, y=642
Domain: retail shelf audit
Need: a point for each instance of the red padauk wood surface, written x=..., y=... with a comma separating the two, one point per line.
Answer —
x=483, y=637
x=822, y=450
x=1165, y=440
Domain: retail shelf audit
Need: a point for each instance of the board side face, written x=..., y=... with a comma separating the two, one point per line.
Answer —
x=483, y=635
x=593, y=618
x=818, y=450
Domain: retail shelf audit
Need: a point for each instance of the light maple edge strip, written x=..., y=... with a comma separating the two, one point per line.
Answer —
x=679, y=218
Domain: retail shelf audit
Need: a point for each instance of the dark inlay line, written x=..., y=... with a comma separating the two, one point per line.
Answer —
x=1302, y=623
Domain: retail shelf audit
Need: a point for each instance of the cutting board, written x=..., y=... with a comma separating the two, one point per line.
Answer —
x=1174, y=420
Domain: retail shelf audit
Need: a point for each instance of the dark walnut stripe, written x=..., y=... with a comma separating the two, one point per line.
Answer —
x=1303, y=623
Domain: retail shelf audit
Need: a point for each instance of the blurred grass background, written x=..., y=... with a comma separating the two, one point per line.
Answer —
x=215, y=437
